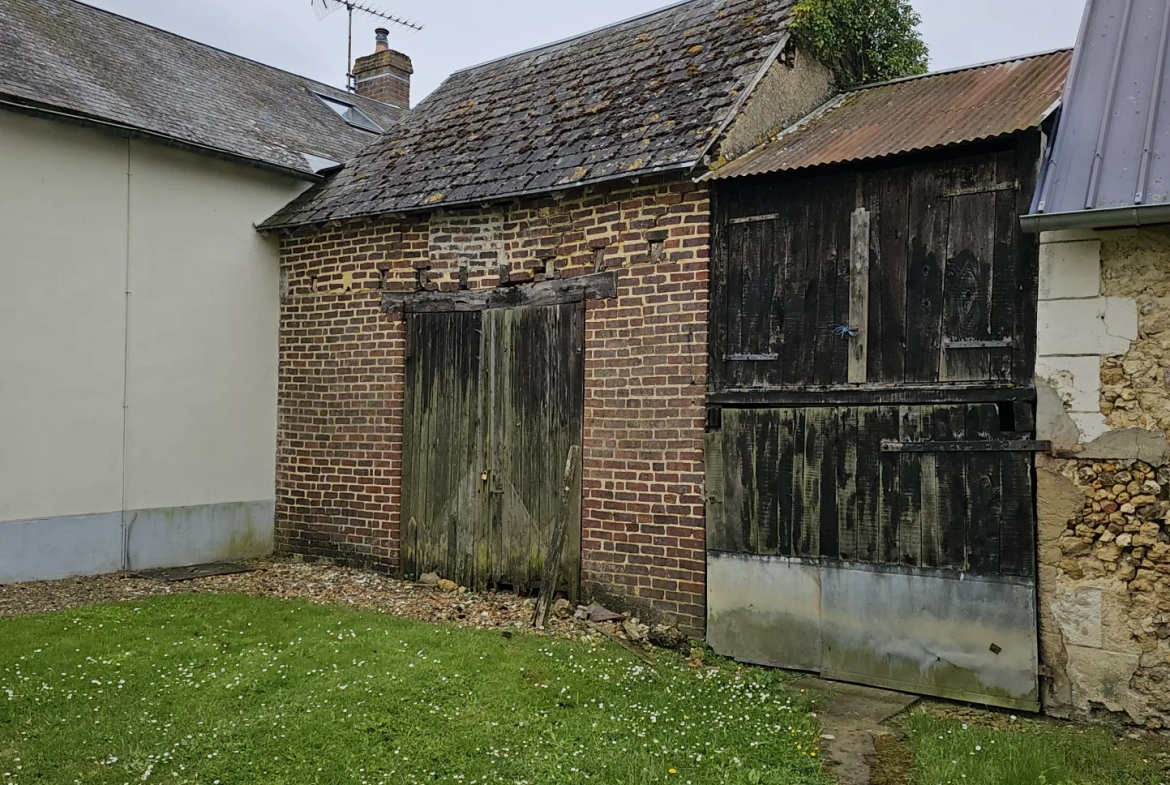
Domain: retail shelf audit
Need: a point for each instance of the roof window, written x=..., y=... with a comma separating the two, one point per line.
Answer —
x=350, y=114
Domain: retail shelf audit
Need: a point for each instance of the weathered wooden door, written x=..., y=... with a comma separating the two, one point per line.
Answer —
x=494, y=401
x=870, y=487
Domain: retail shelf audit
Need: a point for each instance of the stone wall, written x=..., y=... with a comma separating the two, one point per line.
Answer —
x=342, y=374
x=1104, y=496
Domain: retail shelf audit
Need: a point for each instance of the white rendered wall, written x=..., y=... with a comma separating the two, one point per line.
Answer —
x=147, y=417
x=63, y=194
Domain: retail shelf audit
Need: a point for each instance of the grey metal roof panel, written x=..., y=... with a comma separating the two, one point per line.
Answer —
x=645, y=95
x=75, y=59
x=1112, y=146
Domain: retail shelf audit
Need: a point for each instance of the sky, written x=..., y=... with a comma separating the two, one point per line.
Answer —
x=461, y=33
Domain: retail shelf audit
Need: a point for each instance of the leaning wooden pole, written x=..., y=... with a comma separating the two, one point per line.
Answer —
x=556, y=546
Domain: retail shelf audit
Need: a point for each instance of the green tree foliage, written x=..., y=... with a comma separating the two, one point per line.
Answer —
x=862, y=40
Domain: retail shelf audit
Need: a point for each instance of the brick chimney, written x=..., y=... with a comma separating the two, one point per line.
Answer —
x=384, y=75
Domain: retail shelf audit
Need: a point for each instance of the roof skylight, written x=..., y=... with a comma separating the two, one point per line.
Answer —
x=350, y=114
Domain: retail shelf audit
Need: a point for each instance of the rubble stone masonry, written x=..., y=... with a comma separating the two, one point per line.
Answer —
x=342, y=364
x=1104, y=497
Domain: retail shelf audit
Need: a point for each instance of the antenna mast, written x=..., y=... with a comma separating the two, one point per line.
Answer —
x=325, y=7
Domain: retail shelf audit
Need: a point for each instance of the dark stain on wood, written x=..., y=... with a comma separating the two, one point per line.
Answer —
x=948, y=267
x=822, y=473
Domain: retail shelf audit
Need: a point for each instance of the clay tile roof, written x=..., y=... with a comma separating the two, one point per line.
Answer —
x=71, y=59
x=914, y=114
x=646, y=95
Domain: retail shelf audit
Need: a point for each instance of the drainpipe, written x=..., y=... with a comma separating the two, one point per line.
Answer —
x=126, y=525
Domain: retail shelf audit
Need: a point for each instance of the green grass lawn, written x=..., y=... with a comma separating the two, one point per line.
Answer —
x=950, y=751
x=226, y=690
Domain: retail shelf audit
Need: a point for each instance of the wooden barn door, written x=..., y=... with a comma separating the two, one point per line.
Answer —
x=494, y=401
x=871, y=501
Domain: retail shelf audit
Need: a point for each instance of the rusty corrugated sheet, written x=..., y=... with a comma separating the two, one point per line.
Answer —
x=914, y=114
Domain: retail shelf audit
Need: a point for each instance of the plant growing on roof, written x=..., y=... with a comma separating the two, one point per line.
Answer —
x=862, y=40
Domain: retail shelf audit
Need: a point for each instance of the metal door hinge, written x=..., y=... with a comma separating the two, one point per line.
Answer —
x=988, y=445
x=963, y=343
x=750, y=358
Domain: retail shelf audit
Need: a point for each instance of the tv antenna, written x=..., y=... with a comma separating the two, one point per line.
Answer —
x=324, y=8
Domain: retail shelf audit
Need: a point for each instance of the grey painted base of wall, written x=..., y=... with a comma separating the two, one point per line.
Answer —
x=53, y=548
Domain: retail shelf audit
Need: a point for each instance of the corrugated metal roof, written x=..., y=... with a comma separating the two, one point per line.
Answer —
x=1111, y=158
x=919, y=113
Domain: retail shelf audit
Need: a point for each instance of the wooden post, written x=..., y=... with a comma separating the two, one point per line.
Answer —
x=859, y=295
x=556, y=546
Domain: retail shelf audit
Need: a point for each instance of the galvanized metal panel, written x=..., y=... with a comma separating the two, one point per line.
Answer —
x=932, y=632
x=764, y=610
x=919, y=113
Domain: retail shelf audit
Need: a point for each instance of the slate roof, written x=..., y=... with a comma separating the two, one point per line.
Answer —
x=646, y=95
x=1110, y=162
x=917, y=113
x=68, y=57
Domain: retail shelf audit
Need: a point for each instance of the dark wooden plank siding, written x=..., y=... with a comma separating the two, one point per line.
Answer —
x=888, y=202
x=794, y=211
x=1004, y=274
x=929, y=222
x=953, y=509
x=1018, y=533
x=815, y=482
x=846, y=449
x=984, y=493
x=946, y=310
x=1027, y=264
x=948, y=262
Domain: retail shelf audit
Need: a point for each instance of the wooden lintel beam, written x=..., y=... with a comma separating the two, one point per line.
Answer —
x=596, y=286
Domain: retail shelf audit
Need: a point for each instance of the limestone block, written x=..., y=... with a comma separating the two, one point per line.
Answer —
x=1091, y=425
x=1100, y=326
x=1078, y=612
x=1076, y=379
x=1103, y=677
x=1068, y=236
x=1070, y=270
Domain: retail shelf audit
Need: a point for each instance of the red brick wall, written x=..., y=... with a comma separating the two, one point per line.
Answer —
x=645, y=368
x=384, y=76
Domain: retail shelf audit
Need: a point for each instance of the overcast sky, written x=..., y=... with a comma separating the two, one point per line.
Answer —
x=459, y=33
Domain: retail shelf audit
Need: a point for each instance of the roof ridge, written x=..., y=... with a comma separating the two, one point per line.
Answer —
x=567, y=39
x=209, y=47
x=960, y=68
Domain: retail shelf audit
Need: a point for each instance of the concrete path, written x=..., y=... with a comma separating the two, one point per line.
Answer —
x=851, y=717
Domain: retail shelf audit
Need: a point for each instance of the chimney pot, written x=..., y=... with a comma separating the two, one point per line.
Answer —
x=382, y=39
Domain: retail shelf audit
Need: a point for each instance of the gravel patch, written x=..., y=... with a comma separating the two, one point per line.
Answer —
x=316, y=583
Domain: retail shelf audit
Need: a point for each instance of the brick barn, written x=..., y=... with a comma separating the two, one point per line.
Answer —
x=520, y=267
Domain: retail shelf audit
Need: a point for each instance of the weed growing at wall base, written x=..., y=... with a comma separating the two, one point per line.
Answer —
x=1004, y=750
x=218, y=690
